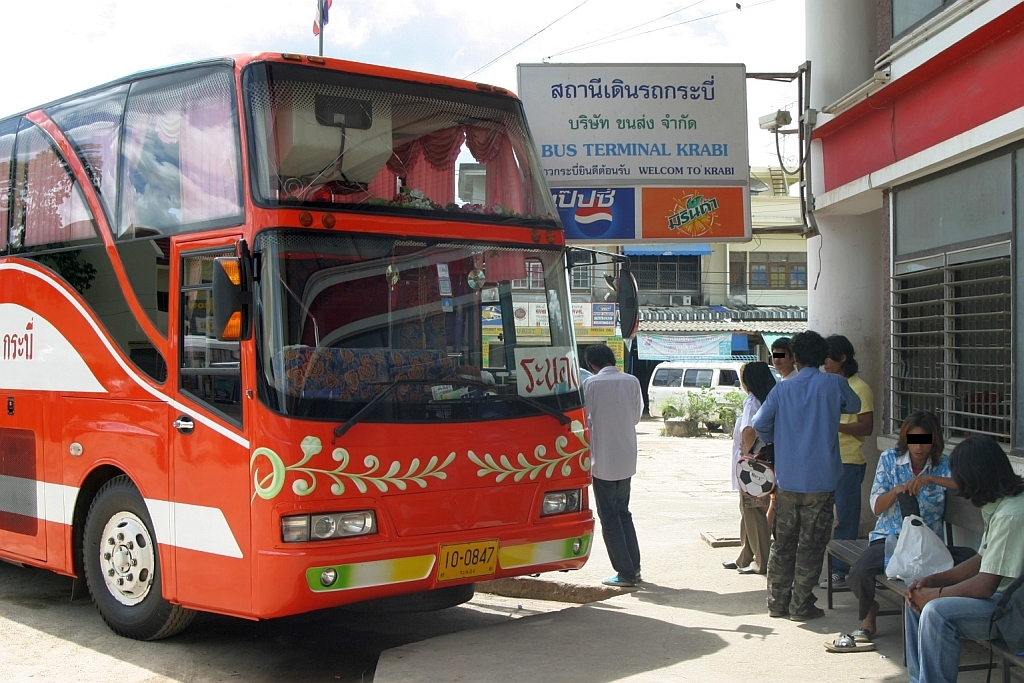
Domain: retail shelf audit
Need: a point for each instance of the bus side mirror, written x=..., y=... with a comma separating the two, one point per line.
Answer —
x=629, y=306
x=232, y=299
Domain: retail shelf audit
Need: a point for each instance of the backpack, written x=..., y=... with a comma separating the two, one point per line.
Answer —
x=1007, y=620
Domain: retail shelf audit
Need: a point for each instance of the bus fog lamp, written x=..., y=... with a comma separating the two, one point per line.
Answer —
x=328, y=577
x=577, y=546
x=295, y=529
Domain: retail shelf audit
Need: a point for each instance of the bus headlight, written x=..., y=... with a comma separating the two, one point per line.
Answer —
x=560, y=502
x=302, y=528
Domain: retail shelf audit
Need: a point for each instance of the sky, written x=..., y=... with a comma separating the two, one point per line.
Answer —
x=55, y=48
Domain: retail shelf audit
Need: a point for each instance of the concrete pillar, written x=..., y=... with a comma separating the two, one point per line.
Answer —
x=715, y=284
x=850, y=300
x=842, y=44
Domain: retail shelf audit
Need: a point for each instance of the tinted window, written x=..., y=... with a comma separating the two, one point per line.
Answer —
x=49, y=209
x=667, y=377
x=93, y=126
x=697, y=378
x=89, y=271
x=179, y=156
x=727, y=378
x=7, y=133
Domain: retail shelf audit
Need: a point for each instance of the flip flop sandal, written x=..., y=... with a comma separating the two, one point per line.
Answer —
x=846, y=643
x=862, y=635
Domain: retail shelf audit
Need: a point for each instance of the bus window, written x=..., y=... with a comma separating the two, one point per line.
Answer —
x=8, y=130
x=179, y=156
x=210, y=369
x=49, y=209
x=346, y=142
x=93, y=126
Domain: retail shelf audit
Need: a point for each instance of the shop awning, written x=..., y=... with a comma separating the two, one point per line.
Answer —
x=668, y=250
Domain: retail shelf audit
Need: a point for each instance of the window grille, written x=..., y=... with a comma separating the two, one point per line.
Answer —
x=667, y=273
x=951, y=343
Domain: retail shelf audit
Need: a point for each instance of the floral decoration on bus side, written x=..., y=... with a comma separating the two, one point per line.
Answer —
x=524, y=467
x=271, y=484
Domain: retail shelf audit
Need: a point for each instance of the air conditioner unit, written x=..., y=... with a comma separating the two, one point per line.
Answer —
x=682, y=300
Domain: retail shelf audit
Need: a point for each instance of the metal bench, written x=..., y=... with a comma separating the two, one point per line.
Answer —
x=958, y=512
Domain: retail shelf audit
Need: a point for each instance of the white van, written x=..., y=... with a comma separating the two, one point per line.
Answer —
x=676, y=378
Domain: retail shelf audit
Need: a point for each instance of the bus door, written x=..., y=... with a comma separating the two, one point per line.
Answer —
x=22, y=528
x=210, y=458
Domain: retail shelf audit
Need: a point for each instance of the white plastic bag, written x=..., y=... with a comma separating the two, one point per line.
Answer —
x=919, y=552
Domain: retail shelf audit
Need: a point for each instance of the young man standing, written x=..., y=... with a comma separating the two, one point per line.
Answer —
x=801, y=417
x=614, y=405
x=782, y=357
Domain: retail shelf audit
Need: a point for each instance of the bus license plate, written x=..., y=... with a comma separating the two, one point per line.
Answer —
x=465, y=560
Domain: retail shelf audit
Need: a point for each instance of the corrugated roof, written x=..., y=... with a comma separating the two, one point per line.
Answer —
x=679, y=313
x=774, y=326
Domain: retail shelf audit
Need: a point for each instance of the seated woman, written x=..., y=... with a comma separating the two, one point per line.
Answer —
x=959, y=603
x=911, y=478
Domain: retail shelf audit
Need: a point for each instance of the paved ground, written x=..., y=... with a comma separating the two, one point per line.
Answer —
x=693, y=620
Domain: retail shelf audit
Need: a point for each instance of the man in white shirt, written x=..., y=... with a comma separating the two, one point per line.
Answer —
x=614, y=406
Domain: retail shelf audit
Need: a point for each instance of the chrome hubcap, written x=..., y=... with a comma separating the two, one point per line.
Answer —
x=127, y=558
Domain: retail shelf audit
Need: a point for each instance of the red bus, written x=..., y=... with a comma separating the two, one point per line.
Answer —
x=257, y=359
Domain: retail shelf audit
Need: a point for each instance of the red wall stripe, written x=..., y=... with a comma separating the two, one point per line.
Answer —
x=974, y=81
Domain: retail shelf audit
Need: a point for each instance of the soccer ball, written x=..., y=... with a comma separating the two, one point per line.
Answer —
x=756, y=478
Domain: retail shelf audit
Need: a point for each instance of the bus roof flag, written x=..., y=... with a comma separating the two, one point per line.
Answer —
x=322, y=9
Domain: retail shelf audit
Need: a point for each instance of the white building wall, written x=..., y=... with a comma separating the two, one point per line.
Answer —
x=849, y=300
x=842, y=44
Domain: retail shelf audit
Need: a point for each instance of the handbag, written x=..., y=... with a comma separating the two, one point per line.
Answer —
x=919, y=552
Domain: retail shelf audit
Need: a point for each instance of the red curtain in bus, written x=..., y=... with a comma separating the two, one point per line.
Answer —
x=55, y=211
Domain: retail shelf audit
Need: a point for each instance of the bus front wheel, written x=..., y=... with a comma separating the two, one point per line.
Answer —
x=122, y=566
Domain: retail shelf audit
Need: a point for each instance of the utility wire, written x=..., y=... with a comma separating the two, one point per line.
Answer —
x=631, y=28
x=611, y=39
x=515, y=47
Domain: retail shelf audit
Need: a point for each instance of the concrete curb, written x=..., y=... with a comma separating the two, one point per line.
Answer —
x=542, y=589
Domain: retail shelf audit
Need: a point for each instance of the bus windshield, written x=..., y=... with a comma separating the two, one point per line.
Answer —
x=343, y=318
x=340, y=141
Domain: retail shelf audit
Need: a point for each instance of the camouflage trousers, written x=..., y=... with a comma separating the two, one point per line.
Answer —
x=803, y=525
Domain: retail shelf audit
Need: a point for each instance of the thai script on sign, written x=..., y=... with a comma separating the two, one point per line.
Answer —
x=544, y=371
x=580, y=169
x=19, y=346
x=584, y=199
x=696, y=207
x=596, y=90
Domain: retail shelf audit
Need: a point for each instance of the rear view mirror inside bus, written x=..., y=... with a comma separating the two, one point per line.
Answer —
x=231, y=300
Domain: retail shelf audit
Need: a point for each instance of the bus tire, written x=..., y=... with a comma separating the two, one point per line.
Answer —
x=122, y=566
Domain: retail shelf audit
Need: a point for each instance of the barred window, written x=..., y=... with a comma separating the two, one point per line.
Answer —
x=668, y=273
x=951, y=341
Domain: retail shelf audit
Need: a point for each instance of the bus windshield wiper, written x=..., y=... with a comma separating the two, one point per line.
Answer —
x=379, y=398
x=542, y=407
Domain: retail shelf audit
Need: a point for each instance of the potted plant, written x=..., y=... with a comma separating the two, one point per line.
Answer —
x=730, y=409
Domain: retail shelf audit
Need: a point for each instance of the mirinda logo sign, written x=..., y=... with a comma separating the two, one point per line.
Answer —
x=704, y=213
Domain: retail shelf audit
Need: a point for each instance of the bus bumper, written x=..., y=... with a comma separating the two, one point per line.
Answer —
x=293, y=582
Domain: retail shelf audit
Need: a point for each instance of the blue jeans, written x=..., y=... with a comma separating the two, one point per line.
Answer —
x=847, y=510
x=933, y=648
x=612, y=498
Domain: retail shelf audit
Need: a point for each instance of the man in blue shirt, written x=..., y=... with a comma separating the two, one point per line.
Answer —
x=801, y=417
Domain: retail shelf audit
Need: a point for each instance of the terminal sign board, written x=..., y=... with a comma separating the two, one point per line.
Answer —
x=608, y=133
